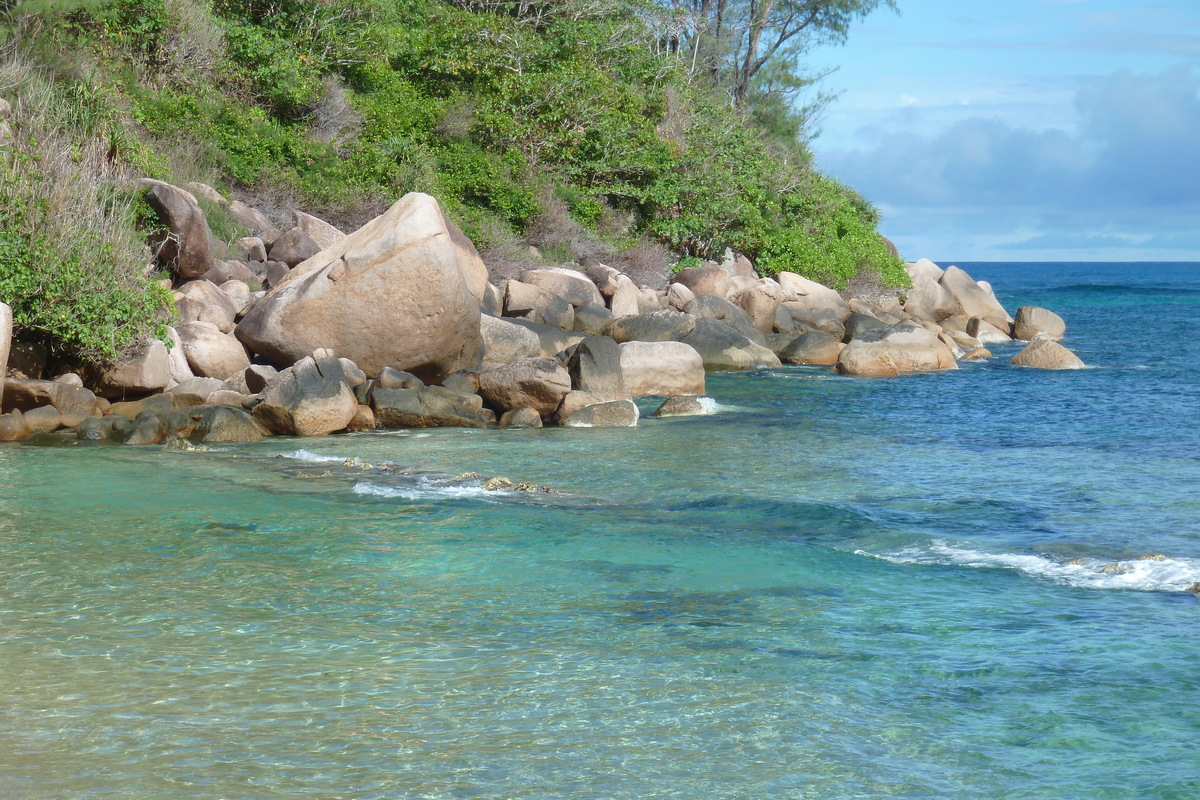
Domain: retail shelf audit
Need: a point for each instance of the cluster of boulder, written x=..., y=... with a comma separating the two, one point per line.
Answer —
x=309, y=331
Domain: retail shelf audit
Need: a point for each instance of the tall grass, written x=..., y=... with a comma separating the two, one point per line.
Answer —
x=72, y=264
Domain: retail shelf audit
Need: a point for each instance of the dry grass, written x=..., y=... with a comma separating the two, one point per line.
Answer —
x=334, y=119
x=645, y=264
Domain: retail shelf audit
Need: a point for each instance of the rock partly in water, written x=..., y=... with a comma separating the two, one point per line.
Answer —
x=1033, y=320
x=661, y=368
x=1045, y=353
x=521, y=418
x=685, y=406
x=613, y=414
x=813, y=347
x=225, y=424
x=422, y=408
x=391, y=294
x=895, y=350
x=310, y=398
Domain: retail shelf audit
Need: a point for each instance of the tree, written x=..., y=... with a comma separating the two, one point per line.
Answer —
x=735, y=40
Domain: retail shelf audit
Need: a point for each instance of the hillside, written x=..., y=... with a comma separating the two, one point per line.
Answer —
x=588, y=130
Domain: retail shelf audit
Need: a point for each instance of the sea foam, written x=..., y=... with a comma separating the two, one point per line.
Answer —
x=308, y=455
x=1150, y=574
x=425, y=489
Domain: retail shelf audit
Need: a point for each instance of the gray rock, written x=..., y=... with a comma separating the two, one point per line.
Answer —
x=505, y=341
x=711, y=306
x=396, y=379
x=857, y=324
x=294, y=247
x=538, y=305
x=613, y=414
x=683, y=406
x=723, y=348
x=571, y=285
x=595, y=367
x=662, y=325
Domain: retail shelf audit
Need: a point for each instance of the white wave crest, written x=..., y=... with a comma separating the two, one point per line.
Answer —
x=425, y=489
x=1149, y=574
x=308, y=455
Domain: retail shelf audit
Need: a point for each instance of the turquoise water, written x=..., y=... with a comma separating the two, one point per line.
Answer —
x=962, y=585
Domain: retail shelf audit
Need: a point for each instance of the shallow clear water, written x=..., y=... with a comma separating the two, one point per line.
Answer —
x=926, y=587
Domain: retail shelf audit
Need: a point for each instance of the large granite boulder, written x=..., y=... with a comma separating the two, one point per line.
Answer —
x=661, y=368
x=539, y=383
x=1032, y=320
x=470, y=264
x=186, y=248
x=390, y=294
x=895, y=350
x=924, y=267
x=592, y=318
x=1045, y=353
x=146, y=369
x=211, y=353
x=858, y=323
x=204, y=301
x=626, y=301
x=553, y=341
x=986, y=332
x=571, y=285
x=723, y=348
x=310, y=398
x=761, y=302
x=663, y=325
x=797, y=288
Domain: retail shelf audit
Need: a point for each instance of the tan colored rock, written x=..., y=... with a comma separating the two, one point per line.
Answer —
x=973, y=300
x=13, y=427
x=760, y=301
x=505, y=342
x=177, y=365
x=977, y=354
x=986, y=332
x=895, y=350
x=539, y=383
x=679, y=296
x=211, y=353
x=187, y=250
x=932, y=297
x=251, y=219
x=926, y=268
x=310, y=398
x=813, y=347
x=521, y=418
x=537, y=304
x=1032, y=320
x=685, y=406
x=148, y=369
x=26, y=394
x=1045, y=353
x=571, y=285
x=317, y=229
x=225, y=424
x=625, y=301
x=199, y=189
x=661, y=368
x=613, y=414
x=391, y=294
x=208, y=304
x=239, y=295
x=470, y=265
x=605, y=278
x=661, y=325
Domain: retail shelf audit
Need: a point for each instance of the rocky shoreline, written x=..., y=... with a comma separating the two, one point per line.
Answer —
x=309, y=331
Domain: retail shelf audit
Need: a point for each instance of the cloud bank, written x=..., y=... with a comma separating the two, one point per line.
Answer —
x=1123, y=182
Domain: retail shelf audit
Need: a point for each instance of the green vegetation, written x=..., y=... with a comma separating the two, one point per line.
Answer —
x=630, y=130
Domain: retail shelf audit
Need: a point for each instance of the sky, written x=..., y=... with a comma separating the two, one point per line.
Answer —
x=1022, y=130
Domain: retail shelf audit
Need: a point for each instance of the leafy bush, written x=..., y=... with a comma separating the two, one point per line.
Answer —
x=72, y=265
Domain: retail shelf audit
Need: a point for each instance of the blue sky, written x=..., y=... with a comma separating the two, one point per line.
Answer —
x=1023, y=129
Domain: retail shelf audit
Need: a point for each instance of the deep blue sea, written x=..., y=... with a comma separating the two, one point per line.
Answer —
x=959, y=585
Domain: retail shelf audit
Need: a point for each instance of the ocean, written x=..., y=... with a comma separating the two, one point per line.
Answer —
x=969, y=584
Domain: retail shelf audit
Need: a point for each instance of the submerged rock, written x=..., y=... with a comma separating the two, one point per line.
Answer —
x=1045, y=353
